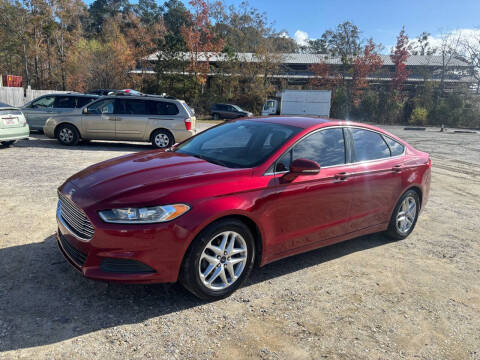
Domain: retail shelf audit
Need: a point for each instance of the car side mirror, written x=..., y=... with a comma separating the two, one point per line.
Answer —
x=302, y=167
x=85, y=111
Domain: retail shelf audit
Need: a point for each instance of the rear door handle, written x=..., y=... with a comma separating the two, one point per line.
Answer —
x=397, y=168
x=342, y=176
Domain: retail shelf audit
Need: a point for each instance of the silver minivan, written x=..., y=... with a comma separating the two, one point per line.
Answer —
x=40, y=109
x=163, y=121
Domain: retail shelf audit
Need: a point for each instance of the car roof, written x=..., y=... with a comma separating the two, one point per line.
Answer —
x=307, y=122
x=141, y=97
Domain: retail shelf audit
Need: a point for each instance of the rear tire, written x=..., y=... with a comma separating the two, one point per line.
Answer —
x=162, y=139
x=405, y=215
x=68, y=135
x=218, y=260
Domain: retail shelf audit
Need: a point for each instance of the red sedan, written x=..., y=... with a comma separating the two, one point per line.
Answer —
x=240, y=194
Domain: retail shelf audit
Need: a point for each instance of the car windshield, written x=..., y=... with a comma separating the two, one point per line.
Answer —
x=239, y=144
x=238, y=108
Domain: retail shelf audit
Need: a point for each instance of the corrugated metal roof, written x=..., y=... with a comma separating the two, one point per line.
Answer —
x=294, y=58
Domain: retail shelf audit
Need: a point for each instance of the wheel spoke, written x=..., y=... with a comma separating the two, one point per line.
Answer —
x=208, y=270
x=223, y=276
x=237, y=260
x=211, y=259
x=216, y=273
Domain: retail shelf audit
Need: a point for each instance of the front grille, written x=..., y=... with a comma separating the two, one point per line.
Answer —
x=75, y=218
x=76, y=255
x=124, y=266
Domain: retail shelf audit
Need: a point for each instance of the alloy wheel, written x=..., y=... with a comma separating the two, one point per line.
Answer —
x=162, y=140
x=66, y=135
x=406, y=215
x=223, y=260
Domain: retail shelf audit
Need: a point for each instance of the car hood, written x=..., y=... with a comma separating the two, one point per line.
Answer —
x=144, y=177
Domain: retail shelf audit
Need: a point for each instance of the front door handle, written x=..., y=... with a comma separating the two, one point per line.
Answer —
x=342, y=176
x=397, y=168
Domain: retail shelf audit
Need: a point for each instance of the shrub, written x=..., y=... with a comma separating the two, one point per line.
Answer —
x=419, y=116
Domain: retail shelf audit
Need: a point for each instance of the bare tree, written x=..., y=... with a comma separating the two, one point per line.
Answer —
x=470, y=48
x=448, y=50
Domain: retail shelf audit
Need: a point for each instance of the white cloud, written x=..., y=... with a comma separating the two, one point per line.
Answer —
x=301, y=37
x=461, y=35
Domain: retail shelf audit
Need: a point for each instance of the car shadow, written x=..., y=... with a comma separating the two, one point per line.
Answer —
x=43, y=300
x=38, y=140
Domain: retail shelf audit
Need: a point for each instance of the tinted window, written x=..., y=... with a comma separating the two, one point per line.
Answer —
x=369, y=145
x=163, y=108
x=63, y=102
x=395, y=147
x=44, y=102
x=102, y=107
x=326, y=147
x=83, y=100
x=239, y=144
x=132, y=107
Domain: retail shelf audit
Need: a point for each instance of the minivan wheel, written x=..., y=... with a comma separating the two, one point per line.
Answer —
x=404, y=216
x=67, y=135
x=215, y=116
x=162, y=139
x=219, y=260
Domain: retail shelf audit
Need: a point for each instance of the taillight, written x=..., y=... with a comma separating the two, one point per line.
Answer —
x=188, y=123
x=429, y=162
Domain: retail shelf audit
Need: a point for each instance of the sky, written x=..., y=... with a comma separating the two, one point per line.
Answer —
x=381, y=20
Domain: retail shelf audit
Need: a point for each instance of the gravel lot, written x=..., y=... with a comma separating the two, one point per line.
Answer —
x=367, y=298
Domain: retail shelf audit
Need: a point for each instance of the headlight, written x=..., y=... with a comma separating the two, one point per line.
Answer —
x=144, y=215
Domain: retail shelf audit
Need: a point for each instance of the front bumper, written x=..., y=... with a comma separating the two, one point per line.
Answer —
x=49, y=129
x=126, y=254
x=16, y=133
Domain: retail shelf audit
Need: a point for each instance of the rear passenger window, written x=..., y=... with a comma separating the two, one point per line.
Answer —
x=369, y=145
x=396, y=148
x=163, y=108
x=67, y=102
x=82, y=101
x=135, y=107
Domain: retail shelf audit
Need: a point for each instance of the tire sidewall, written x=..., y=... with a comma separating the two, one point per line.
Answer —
x=75, y=138
x=171, y=140
x=190, y=276
x=392, y=230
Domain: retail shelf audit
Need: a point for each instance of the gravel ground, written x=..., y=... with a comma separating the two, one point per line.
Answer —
x=367, y=298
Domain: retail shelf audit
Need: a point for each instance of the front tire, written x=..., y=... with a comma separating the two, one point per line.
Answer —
x=405, y=215
x=68, y=135
x=219, y=260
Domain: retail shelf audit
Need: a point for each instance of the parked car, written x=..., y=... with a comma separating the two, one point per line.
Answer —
x=242, y=193
x=228, y=111
x=101, y=92
x=161, y=121
x=39, y=110
x=13, y=125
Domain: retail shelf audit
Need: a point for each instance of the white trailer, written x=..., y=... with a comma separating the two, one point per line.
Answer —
x=299, y=102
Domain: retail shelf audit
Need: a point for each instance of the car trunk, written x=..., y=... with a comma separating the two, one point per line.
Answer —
x=10, y=118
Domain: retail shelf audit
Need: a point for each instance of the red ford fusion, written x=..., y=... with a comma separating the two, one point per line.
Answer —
x=244, y=193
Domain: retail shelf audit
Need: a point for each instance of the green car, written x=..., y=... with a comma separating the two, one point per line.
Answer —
x=13, y=125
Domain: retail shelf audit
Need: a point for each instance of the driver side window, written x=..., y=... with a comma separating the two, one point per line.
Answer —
x=326, y=147
x=44, y=102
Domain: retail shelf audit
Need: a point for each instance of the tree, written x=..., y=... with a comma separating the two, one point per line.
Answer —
x=200, y=40
x=366, y=64
x=422, y=46
x=471, y=54
x=399, y=58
